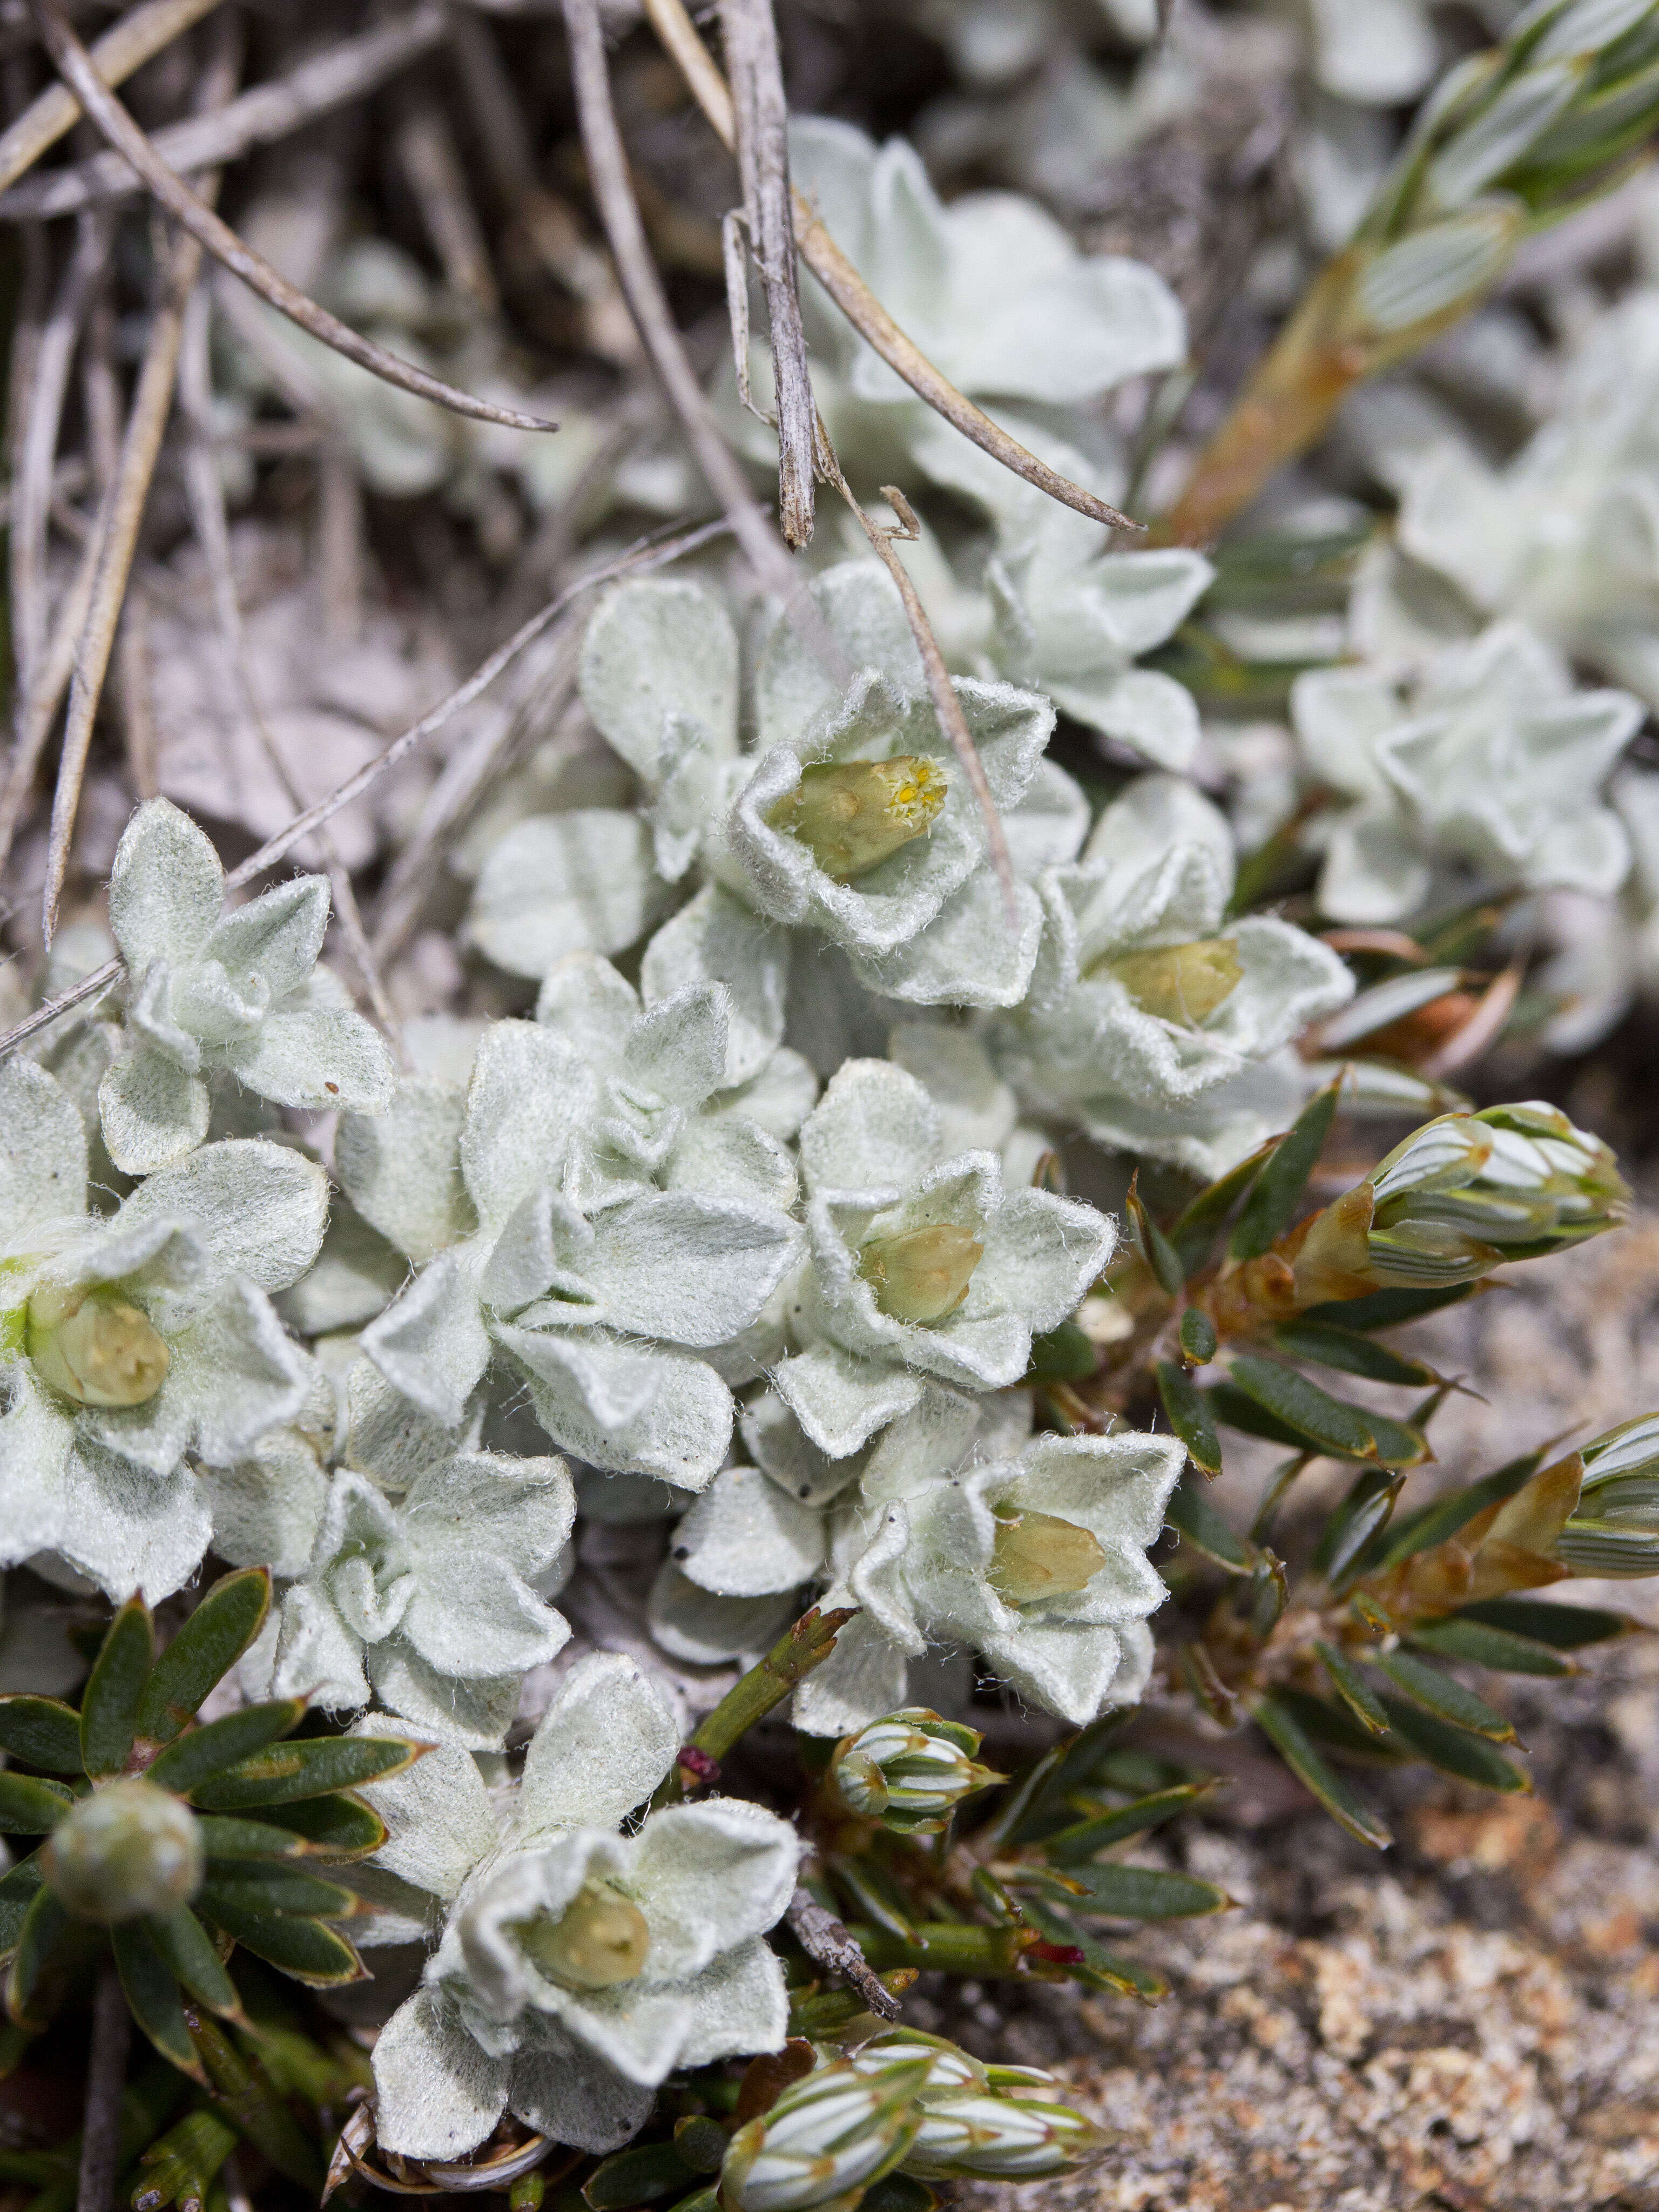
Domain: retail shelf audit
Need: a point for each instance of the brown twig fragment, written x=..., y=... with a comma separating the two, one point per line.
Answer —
x=823, y=1937
x=125, y=47
x=193, y=215
x=941, y=689
x=106, y=2069
x=762, y=116
x=425, y=148
x=152, y=402
x=267, y=113
x=841, y=281
x=607, y=168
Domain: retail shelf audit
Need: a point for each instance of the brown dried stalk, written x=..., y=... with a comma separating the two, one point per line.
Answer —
x=107, y=2067
x=841, y=281
x=72, y=60
x=607, y=169
x=425, y=148
x=260, y=116
x=762, y=115
x=125, y=47
x=823, y=1937
x=639, y=560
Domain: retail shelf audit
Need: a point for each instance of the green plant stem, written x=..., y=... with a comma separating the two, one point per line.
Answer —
x=790, y=1661
x=251, y=2104
x=949, y=1946
x=180, y=2167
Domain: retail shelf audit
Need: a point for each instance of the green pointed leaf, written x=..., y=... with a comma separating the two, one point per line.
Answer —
x=153, y=1995
x=639, y=2176
x=1153, y=1246
x=1350, y=1353
x=1132, y=1892
x=206, y=1647
x=267, y=1888
x=1277, y=1191
x=115, y=1690
x=30, y=1806
x=1443, y=1695
x=1194, y=1234
x=290, y=1771
x=1284, y=1730
x=1354, y=1523
x=1432, y=1524
x=42, y=1732
x=225, y=1837
x=199, y=1752
x=1334, y=1727
x=1351, y=1687
x=1198, y=1337
x=1188, y=1414
x=1453, y=1750
x=1400, y=1444
x=1483, y=1645
x=1311, y=1415
x=44, y=1926
x=1085, y=1838
x=332, y=1828
x=1563, y=1627
x=304, y=1948
x=19, y=1887
x=187, y=1950
x=1101, y=1968
x=1063, y=1355
x=1190, y=1512
x=1037, y=1805
x=1386, y=1309
x=1230, y=1406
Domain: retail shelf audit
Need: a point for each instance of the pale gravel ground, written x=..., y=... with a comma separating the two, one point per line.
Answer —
x=1472, y=2021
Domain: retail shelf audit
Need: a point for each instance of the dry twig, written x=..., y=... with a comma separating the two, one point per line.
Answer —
x=823, y=1937
x=193, y=215
x=267, y=113
x=607, y=168
x=639, y=560
x=127, y=45
x=678, y=34
x=762, y=115
x=107, y=2067
x=426, y=152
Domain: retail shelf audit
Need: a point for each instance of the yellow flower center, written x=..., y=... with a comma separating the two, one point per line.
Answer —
x=1181, y=982
x=853, y=815
x=1037, y=1555
x=920, y=1274
x=95, y=1348
x=600, y=1939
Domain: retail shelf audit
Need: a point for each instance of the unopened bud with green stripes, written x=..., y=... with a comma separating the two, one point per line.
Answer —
x=1614, y=1529
x=827, y=2138
x=911, y=1771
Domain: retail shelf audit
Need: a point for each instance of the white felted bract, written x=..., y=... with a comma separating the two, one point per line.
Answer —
x=1107, y=1040
x=1486, y=772
x=495, y=2027
x=193, y=1251
x=416, y=1597
x=214, y=994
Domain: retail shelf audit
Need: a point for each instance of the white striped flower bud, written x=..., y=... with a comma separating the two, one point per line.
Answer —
x=909, y=1771
x=1002, y=2138
x=1613, y=1530
x=827, y=2138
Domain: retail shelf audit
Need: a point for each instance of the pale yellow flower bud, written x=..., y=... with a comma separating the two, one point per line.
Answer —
x=921, y=1274
x=601, y=1938
x=127, y=1850
x=1180, y=982
x=853, y=815
x=1037, y=1555
x=95, y=1348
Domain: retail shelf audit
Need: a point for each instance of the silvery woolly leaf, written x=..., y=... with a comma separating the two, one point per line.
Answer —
x=258, y=1208
x=431, y=1343
x=841, y=1400
x=438, y=2094
x=675, y=1265
x=401, y=1168
x=654, y=648
x=976, y=1109
x=743, y=1537
x=153, y=1111
x=864, y=1678
x=602, y=1746
x=313, y=1051
x=638, y=1409
x=268, y=1507
x=718, y=938
x=859, y=605
x=475, y=1712
x=559, y=2088
x=559, y=882
x=530, y=1094
x=875, y=1129
x=165, y=888
x=233, y=1373
x=42, y=1167
x=692, y=1625
x=967, y=955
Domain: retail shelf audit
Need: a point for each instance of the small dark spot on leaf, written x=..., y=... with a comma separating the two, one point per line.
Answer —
x=334, y=1087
